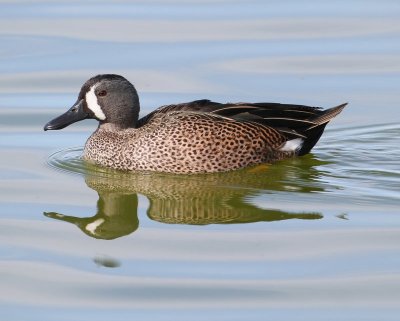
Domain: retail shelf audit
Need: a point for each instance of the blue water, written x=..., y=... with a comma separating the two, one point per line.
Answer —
x=313, y=238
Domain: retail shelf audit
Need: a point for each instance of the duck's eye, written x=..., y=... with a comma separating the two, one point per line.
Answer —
x=102, y=93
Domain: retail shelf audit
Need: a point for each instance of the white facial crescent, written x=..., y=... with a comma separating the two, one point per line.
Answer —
x=93, y=104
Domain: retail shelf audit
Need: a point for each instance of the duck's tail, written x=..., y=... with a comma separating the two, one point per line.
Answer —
x=314, y=131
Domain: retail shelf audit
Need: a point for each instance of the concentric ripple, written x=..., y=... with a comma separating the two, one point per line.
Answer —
x=70, y=160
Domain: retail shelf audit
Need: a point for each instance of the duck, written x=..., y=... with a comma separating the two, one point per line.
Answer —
x=200, y=136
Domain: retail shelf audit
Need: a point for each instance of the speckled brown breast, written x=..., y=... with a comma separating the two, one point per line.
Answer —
x=186, y=142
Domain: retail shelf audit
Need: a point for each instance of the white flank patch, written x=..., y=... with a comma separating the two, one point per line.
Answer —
x=292, y=145
x=93, y=105
x=91, y=227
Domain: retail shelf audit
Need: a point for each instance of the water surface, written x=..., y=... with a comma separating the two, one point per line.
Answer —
x=312, y=238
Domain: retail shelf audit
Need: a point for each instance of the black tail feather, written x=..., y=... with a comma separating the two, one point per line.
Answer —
x=312, y=137
x=313, y=133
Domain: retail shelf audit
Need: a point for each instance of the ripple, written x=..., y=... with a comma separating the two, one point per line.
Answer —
x=365, y=161
x=68, y=160
x=296, y=174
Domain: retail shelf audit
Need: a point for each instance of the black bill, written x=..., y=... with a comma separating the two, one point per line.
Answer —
x=74, y=114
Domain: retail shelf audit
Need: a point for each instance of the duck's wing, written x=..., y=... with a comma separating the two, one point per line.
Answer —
x=293, y=121
x=203, y=105
x=238, y=111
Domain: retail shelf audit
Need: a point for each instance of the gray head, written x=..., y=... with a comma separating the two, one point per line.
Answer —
x=111, y=99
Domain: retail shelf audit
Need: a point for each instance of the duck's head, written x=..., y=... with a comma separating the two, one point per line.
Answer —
x=111, y=99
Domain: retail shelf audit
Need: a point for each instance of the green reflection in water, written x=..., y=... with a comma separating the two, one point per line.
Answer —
x=220, y=198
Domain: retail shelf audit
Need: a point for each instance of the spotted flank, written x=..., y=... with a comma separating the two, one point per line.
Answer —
x=195, y=137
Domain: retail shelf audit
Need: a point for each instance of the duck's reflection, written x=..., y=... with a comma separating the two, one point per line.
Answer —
x=116, y=216
x=222, y=198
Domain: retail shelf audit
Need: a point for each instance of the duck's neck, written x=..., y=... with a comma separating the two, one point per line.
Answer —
x=113, y=127
x=121, y=118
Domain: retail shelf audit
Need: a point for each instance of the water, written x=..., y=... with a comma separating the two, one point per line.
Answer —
x=312, y=238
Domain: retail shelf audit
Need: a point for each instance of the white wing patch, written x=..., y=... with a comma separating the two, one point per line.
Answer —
x=93, y=105
x=292, y=145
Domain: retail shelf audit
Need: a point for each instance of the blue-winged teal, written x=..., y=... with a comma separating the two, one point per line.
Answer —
x=195, y=137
